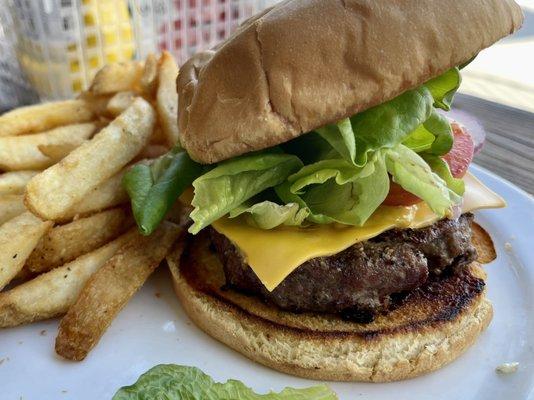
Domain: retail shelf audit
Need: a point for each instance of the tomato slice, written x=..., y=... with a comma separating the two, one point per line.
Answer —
x=397, y=196
x=462, y=151
x=458, y=159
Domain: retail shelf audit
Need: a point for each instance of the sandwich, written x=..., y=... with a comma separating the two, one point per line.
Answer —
x=328, y=192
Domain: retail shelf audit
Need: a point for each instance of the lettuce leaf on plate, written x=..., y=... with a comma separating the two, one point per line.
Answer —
x=178, y=382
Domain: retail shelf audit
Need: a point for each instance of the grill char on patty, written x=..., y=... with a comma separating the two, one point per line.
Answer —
x=363, y=277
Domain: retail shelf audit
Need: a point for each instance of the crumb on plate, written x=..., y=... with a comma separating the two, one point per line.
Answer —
x=508, y=247
x=507, y=368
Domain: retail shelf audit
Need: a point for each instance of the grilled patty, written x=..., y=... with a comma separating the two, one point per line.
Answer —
x=364, y=278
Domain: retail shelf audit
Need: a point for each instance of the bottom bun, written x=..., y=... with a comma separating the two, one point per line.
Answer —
x=429, y=328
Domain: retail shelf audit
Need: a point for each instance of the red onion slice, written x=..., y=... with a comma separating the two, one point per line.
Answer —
x=471, y=124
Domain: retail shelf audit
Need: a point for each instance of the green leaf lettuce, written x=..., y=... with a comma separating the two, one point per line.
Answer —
x=233, y=182
x=411, y=171
x=269, y=215
x=331, y=196
x=444, y=87
x=154, y=188
x=433, y=136
x=383, y=126
x=178, y=382
x=441, y=168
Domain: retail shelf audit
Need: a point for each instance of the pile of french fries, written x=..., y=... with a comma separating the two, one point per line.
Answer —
x=68, y=244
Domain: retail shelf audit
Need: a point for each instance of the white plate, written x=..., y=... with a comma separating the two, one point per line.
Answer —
x=153, y=330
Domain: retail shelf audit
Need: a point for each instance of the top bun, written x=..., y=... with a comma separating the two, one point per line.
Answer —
x=306, y=63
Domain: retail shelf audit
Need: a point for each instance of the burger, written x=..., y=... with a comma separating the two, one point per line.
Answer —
x=331, y=226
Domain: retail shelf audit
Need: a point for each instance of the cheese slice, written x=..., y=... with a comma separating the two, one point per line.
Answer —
x=273, y=254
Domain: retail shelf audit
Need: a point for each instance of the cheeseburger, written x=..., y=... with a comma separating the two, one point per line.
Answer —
x=331, y=226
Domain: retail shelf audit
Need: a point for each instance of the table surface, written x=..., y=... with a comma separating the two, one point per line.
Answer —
x=509, y=147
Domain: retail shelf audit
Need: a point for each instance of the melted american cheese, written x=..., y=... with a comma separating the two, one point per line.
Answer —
x=274, y=254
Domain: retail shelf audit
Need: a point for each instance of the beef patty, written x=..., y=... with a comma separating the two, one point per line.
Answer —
x=362, y=278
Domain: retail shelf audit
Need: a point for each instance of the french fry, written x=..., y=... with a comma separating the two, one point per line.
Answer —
x=96, y=102
x=43, y=117
x=18, y=238
x=22, y=152
x=149, y=79
x=11, y=205
x=109, y=289
x=117, y=77
x=56, y=152
x=167, y=98
x=52, y=293
x=15, y=182
x=65, y=243
x=109, y=193
x=120, y=102
x=22, y=276
x=56, y=190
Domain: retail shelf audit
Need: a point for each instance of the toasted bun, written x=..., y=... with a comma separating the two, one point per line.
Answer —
x=305, y=63
x=432, y=326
